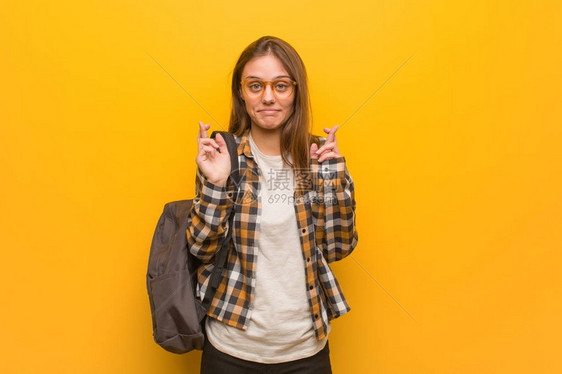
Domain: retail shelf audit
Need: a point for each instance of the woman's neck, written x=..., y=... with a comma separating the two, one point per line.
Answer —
x=268, y=141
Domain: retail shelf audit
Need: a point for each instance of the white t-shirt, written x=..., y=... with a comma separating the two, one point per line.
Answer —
x=280, y=327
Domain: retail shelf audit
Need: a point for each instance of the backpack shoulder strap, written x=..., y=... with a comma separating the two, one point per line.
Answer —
x=221, y=257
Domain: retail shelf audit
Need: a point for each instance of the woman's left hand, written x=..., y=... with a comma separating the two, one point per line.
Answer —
x=330, y=148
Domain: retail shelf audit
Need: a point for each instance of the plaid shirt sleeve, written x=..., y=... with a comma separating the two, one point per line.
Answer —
x=336, y=195
x=209, y=214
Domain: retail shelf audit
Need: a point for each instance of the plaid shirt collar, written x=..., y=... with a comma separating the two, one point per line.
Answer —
x=303, y=178
x=244, y=146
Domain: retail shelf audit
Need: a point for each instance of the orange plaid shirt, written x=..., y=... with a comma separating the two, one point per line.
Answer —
x=325, y=211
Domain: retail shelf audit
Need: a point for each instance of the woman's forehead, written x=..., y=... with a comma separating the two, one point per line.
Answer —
x=264, y=67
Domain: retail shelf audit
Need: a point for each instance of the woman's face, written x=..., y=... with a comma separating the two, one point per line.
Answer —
x=267, y=68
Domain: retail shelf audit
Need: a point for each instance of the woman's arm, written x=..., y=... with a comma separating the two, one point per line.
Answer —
x=336, y=195
x=209, y=216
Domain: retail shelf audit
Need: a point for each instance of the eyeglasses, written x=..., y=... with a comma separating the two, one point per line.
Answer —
x=282, y=88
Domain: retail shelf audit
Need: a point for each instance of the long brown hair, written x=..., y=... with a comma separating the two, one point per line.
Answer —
x=296, y=135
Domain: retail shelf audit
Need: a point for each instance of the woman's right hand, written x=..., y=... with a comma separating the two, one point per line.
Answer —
x=214, y=165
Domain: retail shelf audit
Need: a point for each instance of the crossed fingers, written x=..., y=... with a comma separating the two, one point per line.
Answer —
x=330, y=148
x=207, y=145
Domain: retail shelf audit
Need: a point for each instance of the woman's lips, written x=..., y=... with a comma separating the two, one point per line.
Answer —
x=269, y=111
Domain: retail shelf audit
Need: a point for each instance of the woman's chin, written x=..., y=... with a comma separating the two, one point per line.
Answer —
x=269, y=125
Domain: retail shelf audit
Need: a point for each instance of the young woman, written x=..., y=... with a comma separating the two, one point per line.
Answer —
x=294, y=213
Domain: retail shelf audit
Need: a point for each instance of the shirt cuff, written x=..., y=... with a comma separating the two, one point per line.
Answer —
x=328, y=174
x=212, y=193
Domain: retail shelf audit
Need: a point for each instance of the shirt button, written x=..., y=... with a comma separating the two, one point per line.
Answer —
x=316, y=316
x=303, y=230
x=311, y=287
x=308, y=259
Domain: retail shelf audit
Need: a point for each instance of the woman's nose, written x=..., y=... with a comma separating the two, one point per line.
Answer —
x=268, y=94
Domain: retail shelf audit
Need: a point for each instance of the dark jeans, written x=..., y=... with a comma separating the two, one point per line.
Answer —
x=214, y=361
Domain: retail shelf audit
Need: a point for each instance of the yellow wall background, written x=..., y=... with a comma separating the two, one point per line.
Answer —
x=451, y=130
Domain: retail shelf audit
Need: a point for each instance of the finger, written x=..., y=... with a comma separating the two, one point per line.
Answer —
x=209, y=141
x=331, y=141
x=203, y=129
x=208, y=152
x=331, y=133
x=333, y=129
x=201, y=133
x=327, y=146
x=313, y=149
x=326, y=156
x=221, y=144
x=208, y=149
x=337, y=151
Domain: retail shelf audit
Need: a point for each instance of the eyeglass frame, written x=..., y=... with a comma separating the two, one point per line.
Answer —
x=266, y=83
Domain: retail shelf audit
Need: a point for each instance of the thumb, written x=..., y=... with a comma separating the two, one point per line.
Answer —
x=222, y=144
x=313, y=149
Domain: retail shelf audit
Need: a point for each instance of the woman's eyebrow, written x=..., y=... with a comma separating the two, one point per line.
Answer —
x=279, y=76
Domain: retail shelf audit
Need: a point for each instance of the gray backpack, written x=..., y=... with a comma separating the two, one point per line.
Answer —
x=178, y=316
